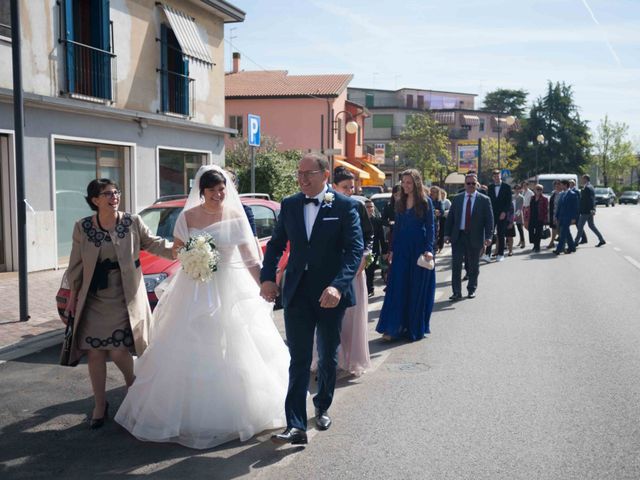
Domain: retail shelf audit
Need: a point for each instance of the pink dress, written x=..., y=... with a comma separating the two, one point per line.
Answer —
x=353, y=354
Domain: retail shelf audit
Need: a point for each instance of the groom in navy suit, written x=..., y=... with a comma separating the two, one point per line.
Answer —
x=326, y=246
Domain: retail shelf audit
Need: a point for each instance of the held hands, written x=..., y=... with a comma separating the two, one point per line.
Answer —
x=330, y=297
x=269, y=291
x=487, y=243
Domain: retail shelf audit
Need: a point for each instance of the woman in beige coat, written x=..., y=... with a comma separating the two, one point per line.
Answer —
x=108, y=298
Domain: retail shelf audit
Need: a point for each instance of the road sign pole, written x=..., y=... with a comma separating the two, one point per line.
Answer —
x=253, y=169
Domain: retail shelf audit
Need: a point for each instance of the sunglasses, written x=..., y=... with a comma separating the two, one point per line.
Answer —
x=111, y=193
x=469, y=183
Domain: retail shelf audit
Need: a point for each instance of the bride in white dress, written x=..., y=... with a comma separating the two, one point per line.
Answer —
x=216, y=368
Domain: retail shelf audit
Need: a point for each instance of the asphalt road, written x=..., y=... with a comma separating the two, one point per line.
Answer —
x=536, y=378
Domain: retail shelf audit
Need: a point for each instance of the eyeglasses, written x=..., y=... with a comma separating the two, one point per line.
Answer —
x=111, y=193
x=469, y=183
x=538, y=189
x=307, y=173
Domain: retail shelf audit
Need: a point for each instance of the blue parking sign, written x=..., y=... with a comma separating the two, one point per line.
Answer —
x=254, y=130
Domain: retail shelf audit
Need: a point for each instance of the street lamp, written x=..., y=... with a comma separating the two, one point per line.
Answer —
x=539, y=139
x=350, y=127
x=510, y=120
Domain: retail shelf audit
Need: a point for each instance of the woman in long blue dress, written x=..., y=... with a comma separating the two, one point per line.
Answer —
x=411, y=289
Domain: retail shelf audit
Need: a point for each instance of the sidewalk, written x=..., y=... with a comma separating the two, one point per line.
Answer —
x=44, y=323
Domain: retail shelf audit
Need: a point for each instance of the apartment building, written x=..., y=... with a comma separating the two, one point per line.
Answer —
x=391, y=108
x=131, y=90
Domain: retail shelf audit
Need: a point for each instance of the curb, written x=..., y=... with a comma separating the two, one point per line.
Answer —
x=31, y=345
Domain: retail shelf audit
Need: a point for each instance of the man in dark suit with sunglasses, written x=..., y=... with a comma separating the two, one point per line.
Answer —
x=469, y=228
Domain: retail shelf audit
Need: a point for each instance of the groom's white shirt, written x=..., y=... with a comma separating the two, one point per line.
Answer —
x=311, y=211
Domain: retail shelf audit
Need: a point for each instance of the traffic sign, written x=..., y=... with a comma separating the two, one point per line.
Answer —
x=505, y=172
x=254, y=130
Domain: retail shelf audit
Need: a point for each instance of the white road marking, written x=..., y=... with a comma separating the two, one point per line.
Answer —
x=632, y=261
x=617, y=249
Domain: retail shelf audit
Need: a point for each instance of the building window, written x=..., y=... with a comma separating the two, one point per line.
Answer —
x=481, y=125
x=5, y=19
x=176, y=85
x=409, y=101
x=382, y=121
x=421, y=102
x=88, y=48
x=177, y=170
x=235, y=121
x=76, y=165
x=369, y=100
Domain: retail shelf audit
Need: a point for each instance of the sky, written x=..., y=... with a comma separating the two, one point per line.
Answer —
x=468, y=46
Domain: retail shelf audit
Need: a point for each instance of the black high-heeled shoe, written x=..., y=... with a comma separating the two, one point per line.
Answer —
x=99, y=422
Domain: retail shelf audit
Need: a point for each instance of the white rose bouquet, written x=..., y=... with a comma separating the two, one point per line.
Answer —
x=199, y=257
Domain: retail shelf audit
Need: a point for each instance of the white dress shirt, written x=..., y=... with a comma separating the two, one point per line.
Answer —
x=464, y=207
x=311, y=211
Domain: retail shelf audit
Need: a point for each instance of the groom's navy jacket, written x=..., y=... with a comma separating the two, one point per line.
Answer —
x=331, y=256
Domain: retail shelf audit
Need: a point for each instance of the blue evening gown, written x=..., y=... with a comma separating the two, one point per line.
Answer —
x=411, y=289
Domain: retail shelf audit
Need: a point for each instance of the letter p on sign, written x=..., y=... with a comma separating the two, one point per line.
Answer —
x=254, y=130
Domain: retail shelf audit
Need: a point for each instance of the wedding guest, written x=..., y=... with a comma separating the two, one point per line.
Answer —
x=554, y=200
x=511, y=228
x=438, y=210
x=568, y=211
x=379, y=244
x=353, y=355
x=108, y=299
x=388, y=221
x=587, y=212
x=411, y=290
x=536, y=217
x=519, y=212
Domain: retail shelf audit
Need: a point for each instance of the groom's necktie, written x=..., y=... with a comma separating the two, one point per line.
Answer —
x=311, y=200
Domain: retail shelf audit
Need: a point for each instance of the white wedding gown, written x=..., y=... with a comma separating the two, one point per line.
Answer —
x=216, y=368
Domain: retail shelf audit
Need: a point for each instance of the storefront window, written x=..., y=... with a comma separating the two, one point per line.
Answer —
x=177, y=170
x=76, y=165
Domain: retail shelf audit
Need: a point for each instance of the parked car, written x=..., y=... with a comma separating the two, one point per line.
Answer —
x=380, y=200
x=161, y=218
x=630, y=196
x=370, y=190
x=605, y=196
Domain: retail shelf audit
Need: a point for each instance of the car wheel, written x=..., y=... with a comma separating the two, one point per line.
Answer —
x=607, y=204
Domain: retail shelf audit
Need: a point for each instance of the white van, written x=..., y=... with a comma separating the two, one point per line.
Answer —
x=547, y=179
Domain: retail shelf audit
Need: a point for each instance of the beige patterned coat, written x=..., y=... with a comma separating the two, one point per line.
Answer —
x=133, y=236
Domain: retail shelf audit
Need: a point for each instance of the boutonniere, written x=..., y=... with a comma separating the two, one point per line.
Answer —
x=328, y=199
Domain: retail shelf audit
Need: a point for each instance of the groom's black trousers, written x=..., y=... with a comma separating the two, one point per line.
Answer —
x=302, y=317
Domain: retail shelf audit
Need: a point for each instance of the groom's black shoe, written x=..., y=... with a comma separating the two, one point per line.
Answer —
x=323, y=421
x=294, y=436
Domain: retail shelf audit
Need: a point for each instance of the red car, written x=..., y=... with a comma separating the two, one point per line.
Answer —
x=161, y=218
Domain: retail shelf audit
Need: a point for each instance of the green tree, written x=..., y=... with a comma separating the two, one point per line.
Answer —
x=507, y=101
x=508, y=156
x=613, y=151
x=275, y=170
x=566, y=136
x=424, y=144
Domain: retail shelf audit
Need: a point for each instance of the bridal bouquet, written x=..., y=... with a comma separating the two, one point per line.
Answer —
x=199, y=257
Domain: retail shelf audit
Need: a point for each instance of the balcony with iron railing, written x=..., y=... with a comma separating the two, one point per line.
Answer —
x=178, y=93
x=90, y=71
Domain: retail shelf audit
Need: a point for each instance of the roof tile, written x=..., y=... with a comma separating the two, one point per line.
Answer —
x=278, y=83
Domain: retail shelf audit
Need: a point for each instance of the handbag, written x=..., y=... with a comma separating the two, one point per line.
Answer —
x=65, y=354
x=424, y=263
x=546, y=233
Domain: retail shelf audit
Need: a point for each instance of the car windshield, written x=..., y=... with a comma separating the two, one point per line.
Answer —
x=547, y=184
x=161, y=221
x=602, y=191
x=629, y=193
